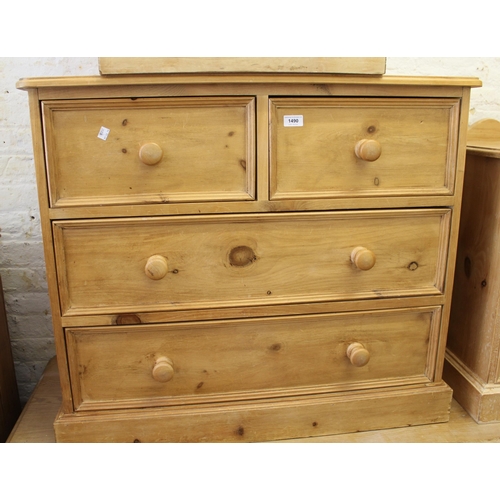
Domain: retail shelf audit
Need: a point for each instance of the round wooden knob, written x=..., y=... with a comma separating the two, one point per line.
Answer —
x=363, y=258
x=156, y=267
x=368, y=150
x=358, y=355
x=150, y=153
x=163, y=370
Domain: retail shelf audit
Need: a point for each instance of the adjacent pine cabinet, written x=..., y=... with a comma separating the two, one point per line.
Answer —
x=237, y=256
x=473, y=355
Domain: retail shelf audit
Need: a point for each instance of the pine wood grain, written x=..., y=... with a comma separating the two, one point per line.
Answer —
x=126, y=261
x=263, y=420
x=473, y=346
x=249, y=359
x=50, y=266
x=207, y=151
x=483, y=138
x=331, y=130
x=138, y=65
x=36, y=423
x=94, y=84
x=299, y=257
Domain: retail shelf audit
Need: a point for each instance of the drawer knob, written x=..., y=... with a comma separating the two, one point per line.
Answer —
x=358, y=355
x=363, y=258
x=163, y=370
x=368, y=150
x=156, y=267
x=150, y=153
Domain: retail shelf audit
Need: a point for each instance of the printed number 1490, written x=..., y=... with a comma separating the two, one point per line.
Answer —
x=293, y=120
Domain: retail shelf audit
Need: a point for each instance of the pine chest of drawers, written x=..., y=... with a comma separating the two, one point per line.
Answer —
x=248, y=257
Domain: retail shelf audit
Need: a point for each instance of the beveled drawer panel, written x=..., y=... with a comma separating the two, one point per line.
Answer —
x=240, y=359
x=335, y=147
x=175, y=263
x=150, y=150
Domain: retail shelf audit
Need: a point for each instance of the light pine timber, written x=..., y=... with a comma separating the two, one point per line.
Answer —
x=36, y=423
x=297, y=258
x=271, y=357
x=261, y=206
x=483, y=138
x=333, y=128
x=192, y=139
x=138, y=65
x=50, y=265
x=366, y=404
x=254, y=311
x=409, y=85
x=473, y=361
x=265, y=420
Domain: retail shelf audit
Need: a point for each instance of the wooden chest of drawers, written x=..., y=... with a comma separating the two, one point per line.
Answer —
x=248, y=257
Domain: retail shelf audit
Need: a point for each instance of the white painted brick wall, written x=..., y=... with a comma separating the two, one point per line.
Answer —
x=21, y=256
x=485, y=101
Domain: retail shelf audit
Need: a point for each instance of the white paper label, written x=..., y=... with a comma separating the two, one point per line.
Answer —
x=293, y=120
x=103, y=133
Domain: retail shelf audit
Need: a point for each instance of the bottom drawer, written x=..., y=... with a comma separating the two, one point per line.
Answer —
x=156, y=365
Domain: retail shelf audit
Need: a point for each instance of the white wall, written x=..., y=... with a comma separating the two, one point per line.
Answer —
x=21, y=255
x=485, y=101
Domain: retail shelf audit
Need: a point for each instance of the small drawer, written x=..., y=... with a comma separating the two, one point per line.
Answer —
x=330, y=148
x=177, y=263
x=133, y=366
x=125, y=151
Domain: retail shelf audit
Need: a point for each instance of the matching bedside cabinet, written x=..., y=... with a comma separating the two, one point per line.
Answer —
x=249, y=256
x=473, y=354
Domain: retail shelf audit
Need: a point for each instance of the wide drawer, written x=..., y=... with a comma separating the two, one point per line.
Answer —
x=174, y=263
x=152, y=365
x=132, y=151
x=335, y=147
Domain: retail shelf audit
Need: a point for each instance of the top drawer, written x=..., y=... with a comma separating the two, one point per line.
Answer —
x=126, y=151
x=327, y=148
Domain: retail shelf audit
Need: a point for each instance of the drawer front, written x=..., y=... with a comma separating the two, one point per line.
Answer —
x=186, y=362
x=333, y=147
x=175, y=263
x=150, y=150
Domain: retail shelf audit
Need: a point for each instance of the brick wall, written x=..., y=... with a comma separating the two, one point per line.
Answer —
x=21, y=255
x=485, y=101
